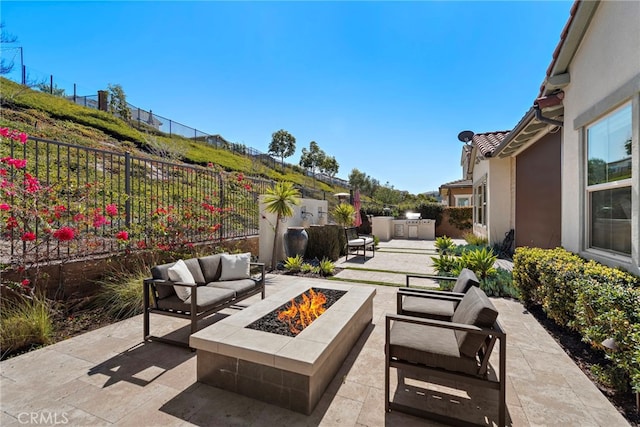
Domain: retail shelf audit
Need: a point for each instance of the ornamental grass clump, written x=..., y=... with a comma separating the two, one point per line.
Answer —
x=25, y=323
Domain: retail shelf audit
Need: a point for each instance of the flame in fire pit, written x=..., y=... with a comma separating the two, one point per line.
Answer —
x=299, y=316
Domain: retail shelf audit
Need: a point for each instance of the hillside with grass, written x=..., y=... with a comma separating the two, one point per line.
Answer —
x=51, y=117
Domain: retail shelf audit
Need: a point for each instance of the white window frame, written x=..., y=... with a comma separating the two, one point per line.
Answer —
x=480, y=201
x=612, y=185
x=459, y=197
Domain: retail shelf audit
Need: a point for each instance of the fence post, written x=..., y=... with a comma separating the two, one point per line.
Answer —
x=223, y=204
x=74, y=93
x=51, y=84
x=127, y=189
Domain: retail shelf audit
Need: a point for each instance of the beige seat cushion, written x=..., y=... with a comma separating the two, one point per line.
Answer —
x=430, y=346
x=239, y=287
x=431, y=308
x=207, y=298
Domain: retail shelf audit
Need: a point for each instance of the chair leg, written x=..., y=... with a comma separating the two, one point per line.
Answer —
x=145, y=317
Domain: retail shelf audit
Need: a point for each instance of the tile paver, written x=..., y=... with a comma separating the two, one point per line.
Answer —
x=110, y=377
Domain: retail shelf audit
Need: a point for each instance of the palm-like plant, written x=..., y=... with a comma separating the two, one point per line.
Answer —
x=344, y=214
x=280, y=200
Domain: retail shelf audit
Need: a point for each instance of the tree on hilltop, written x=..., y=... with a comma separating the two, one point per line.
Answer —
x=283, y=144
x=312, y=159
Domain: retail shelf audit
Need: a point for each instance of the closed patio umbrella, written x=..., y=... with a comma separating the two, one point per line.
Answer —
x=356, y=205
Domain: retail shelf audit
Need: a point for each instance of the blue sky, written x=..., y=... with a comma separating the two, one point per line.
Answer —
x=385, y=87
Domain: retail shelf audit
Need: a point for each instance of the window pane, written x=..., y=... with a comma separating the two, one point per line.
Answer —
x=609, y=148
x=611, y=220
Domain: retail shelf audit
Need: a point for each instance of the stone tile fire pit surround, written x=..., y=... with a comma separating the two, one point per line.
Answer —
x=290, y=372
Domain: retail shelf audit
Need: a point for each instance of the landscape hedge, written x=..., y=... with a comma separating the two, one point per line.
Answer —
x=597, y=301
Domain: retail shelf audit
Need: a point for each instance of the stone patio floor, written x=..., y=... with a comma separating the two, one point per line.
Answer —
x=111, y=377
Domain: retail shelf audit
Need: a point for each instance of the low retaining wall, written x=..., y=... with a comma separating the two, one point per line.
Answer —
x=76, y=279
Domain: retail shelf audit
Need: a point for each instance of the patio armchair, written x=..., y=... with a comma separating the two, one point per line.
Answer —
x=455, y=354
x=439, y=305
x=356, y=242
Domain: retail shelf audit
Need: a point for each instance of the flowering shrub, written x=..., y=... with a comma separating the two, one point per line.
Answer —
x=44, y=221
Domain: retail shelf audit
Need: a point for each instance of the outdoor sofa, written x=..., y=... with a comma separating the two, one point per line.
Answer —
x=197, y=287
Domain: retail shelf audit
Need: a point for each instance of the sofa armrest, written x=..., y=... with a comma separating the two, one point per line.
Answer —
x=260, y=266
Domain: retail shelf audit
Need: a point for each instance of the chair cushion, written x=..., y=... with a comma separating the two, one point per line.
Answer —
x=180, y=273
x=193, y=264
x=210, y=266
x=238, y=286
x=474, y=309
x=162, y=272
x=431, y=346
x=366, y=241
x=207, y=298
x=466, y=279
x=235, y=267
x=431, y=308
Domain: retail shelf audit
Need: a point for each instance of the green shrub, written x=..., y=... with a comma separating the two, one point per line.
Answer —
x=480, y=261
x=309, y=268
x=605, y=310
x=598, y=301
x=431, y=211
x=460, y=249
x=327, y=267
x=444, y=245
x=499, y=284
x=460, y=217
x=474, y=240
x=294, y=264
x=445, y=264
x=327, y=241
x=25, y=323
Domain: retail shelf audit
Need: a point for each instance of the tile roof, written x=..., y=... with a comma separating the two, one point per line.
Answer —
x=458, y=183
x=488, y=141
x=556, y=52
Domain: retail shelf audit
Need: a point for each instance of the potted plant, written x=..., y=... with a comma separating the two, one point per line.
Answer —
x=280, y=200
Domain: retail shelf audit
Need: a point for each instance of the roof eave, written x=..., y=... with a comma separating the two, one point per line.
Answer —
x=581, y=14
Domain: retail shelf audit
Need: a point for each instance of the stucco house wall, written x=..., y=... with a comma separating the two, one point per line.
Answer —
x=500, y=204
x=605, y=73
x=499, y=199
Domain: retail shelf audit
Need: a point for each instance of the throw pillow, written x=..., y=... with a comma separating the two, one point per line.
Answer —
x=235, y=267
x=180, y=273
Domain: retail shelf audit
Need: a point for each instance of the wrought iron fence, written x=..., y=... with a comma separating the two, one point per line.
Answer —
x=103, y=193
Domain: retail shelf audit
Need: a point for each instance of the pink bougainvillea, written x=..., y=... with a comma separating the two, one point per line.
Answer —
x=112, y=209
x=65, y=234
x=29, y=236
x=122, y=235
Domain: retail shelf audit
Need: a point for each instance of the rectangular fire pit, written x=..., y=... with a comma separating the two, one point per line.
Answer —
x=291, y=372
